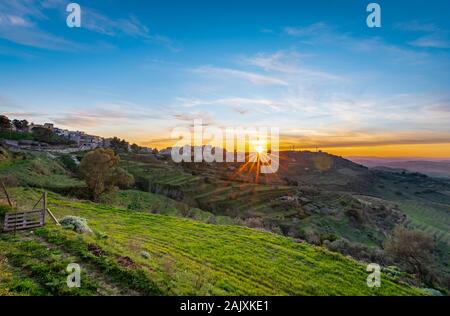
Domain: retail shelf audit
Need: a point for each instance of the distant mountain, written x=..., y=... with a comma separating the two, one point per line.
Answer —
x=432, y=168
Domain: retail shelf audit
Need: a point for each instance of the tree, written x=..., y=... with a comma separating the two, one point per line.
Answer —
x=42, y=134
x=5, y=123
x=45, y=135
x=120, y=178
x=414, y=249
x=135, y=148
x=20, y=124
x=99, y=168
x=119, y=145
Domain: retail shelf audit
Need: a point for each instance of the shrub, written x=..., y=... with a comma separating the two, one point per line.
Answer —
x=145, y=254
x=9, y=180
x=433, y=292
x=211, y=220
x=358, y=251
x=78, y=224
x=328, y=236
x=254, y=222
x=69, y=163
x=311, y=237
x=413, y=250
x=355, y=215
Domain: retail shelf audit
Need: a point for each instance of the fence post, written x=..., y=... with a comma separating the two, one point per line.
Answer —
x=44, y=202
x=7, y=195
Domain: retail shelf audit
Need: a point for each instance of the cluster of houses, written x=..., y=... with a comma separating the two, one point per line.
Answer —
x=80, y=139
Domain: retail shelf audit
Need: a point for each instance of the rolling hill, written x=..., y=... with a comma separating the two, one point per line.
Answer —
x=439, y=169
x=182, y=257
x=354, y=214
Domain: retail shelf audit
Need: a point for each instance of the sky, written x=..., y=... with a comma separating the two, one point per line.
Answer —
x=314, y=69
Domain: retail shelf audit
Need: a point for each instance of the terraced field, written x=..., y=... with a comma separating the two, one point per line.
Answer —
x=220, y=195
x=182, y=257
x=434, y=218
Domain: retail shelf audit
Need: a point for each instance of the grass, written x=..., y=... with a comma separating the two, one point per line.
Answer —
x=154, y=203
x=16, y=135
x=13, y=281
x=192, y=258
x=45, y=267
x=430, y=217
x=38, y=170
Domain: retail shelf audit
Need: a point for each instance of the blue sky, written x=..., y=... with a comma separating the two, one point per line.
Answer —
x=136, y=69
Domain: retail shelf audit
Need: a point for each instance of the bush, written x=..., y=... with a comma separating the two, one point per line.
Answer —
x=312, y=237
x=355, y=214
x=69, y=163
x=211, y=220
x=9, y=180
x=16, y=135
x=145, y=255
x=433, y=292
x=328, y=236
x=358, y=251
x=254, y=222
x=78, y=224
x=413, y=250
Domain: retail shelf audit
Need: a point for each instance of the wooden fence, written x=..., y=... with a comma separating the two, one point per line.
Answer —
x=24, y=220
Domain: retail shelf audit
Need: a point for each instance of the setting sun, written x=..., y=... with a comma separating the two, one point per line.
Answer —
x=259, y=149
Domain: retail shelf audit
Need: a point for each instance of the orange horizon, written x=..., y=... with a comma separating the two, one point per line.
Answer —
x=438, y=150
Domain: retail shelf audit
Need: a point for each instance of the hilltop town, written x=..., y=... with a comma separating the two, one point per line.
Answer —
x=21, y=135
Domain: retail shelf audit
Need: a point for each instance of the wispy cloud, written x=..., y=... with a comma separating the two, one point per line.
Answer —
x=241, y=105
x=416, y=26
x=315, y=29
x=252, y=77
x=287, y=62
x=434, y=37
x=20, y=23
x=105, y=114
x=321, y=34
x=431, y=41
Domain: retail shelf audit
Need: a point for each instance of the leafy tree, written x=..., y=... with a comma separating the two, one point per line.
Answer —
x=45, y=135
x=5, y=123
x=69, y=162
x=99, y=168
x=119, y=145
x=20, y=124
x=42, y=134
x=135, y=148
x=120, y=178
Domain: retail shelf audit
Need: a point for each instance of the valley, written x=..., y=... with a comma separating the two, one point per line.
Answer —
x=201, y=225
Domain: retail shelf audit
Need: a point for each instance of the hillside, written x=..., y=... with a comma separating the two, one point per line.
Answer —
x=184, y=257
x=430, y=168
x=299, y=211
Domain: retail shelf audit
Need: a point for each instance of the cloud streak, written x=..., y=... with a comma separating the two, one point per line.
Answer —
x=20, y=23
x=226, y=73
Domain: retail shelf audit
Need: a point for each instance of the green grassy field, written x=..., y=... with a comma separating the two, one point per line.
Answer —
x=184, y=257
x=431, y=217
x=38, y=170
